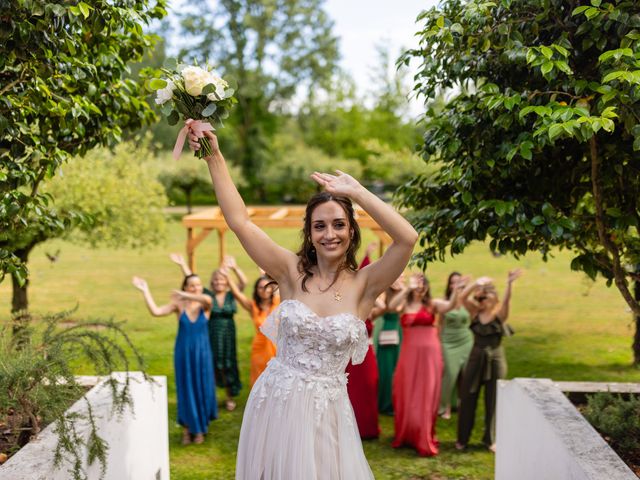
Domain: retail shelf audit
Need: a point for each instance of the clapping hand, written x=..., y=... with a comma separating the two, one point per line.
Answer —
x=228, y=263
x=177, y=258
x=341, y=184
x=514, y=275
x=370, y=249
x=140, y=284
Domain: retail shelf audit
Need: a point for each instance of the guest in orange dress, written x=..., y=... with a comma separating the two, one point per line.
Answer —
x=264, y=301
x=418, y=376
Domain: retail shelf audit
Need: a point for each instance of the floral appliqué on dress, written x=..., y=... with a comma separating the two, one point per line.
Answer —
x=313, y=352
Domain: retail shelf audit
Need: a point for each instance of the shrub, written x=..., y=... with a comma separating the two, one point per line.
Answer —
x=618, y=419
x=37, y=383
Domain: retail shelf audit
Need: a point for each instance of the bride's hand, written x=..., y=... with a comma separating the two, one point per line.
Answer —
x=341, y=184
x=194, y=144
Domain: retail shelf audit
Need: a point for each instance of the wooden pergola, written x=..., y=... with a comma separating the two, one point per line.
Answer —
x=199, y=225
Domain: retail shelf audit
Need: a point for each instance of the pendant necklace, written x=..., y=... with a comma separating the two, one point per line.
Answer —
x=337, y=295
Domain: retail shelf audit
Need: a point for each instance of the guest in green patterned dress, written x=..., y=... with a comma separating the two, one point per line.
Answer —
x=457, y=341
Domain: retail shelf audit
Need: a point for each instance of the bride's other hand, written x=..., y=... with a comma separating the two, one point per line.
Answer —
x=340, y=184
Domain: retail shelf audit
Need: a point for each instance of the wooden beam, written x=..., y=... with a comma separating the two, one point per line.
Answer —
x=221, y=245
x=193, y=241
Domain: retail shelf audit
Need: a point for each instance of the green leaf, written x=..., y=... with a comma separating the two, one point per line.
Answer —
x=209, y=110
x=608, y=125
x=579, y=10
x=592, y=13
x=546, y=67
x=467, y=198
x=613, y=76
x=546, y=51
x=157, y=84
x=596, y=3
x=563, y=51
x=548, y=210
x=84, y=9
x=555, y=229
x=537, y=220
x=614, y=212
x=525, y=150
x=554, y=131
x=440, y=22
x=173, y=118
x=457, y=28
x=500, y=208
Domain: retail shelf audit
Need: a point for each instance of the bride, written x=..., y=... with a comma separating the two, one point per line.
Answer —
x=298, y=422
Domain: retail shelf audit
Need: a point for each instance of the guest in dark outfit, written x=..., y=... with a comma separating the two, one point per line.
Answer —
x=487, y=362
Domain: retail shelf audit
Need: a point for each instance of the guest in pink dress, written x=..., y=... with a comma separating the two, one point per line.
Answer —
x=418, y=376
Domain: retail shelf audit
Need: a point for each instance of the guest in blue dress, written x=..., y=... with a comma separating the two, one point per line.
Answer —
x=192, y=360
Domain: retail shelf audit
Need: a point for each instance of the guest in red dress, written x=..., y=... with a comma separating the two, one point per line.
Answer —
x=362, y=385
x=418, y=376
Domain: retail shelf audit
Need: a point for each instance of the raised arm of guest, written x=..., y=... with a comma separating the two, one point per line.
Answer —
x=154, y=309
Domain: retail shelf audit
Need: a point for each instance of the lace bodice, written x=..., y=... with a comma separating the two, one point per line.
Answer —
x=313, y=344
x=313, y=352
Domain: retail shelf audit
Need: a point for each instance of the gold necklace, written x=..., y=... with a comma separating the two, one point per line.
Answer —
x=337, y=295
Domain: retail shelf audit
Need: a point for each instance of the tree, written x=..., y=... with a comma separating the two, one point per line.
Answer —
x=101, y=202
x=288, y=180
x=345, y=121
x=539, y=149
x=191, y=178
x=273, y=49
x=62, y=93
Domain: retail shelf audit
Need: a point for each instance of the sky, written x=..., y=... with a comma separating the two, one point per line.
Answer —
x=361, y=24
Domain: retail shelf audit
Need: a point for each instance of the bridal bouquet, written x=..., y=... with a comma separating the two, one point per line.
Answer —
x=197, y=94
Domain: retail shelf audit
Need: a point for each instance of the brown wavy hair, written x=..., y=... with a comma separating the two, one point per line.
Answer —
x=307, y=253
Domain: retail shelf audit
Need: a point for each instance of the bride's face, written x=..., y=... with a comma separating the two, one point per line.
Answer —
x=330, y=230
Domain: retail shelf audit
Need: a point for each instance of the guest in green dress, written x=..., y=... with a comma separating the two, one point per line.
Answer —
x=456, y=340
x=388, y=351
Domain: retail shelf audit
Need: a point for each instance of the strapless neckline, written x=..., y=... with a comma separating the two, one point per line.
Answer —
x=310, y=310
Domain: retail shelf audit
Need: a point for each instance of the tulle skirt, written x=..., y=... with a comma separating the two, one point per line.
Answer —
x=299, y=426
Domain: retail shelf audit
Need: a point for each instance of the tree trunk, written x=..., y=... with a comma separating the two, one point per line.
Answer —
x=636, y=338
x=187, y=193
x=20, y=300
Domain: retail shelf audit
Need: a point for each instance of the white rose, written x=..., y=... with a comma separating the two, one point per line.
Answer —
x=220, y=85
x=195, y=78
x=164, y=94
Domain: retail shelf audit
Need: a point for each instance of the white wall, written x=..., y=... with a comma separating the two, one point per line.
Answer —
x=138, y=441
x=540, y=435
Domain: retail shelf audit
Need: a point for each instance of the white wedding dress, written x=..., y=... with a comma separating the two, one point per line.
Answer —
x=298, y=423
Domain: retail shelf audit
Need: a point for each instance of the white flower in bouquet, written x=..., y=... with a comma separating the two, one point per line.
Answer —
x=221, y=87
x=195, y=79
x=165, y=94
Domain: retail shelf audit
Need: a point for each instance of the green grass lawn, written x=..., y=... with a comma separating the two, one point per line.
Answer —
x=567, y=328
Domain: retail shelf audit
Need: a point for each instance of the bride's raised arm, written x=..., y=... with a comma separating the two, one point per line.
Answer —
x=383, y=272
x=274, y=259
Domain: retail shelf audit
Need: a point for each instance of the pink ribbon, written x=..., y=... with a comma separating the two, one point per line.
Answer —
x=198, y=127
